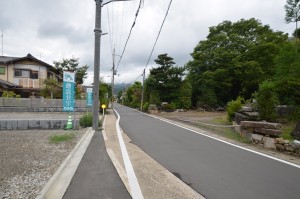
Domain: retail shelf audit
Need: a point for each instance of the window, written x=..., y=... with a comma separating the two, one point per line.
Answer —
x=22, y=73
x=34, y=74
x=2, y=70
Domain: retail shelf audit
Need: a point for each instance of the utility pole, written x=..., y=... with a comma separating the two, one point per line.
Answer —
x=97, y=64
x=113, y=80
x=98, y=32
x=142, y=98
x=2, y=40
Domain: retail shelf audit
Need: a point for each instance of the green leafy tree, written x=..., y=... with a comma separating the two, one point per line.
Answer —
x=286, y=79
x=284, y=87
x=133, y=95
x=232, y=61
x=51, y=89
x=292, y=12
x=267, y=101
x=165, y=79
x=104, y=92
x=185, y=96
x=72, y=65
x=296, y=33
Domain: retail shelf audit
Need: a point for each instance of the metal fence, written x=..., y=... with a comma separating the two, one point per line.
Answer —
x=37, y=103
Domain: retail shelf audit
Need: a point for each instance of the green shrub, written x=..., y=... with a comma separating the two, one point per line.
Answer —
x=145, y=107
x=169, y=107
x=267, y=101
x=86, y=120
x=234, y=106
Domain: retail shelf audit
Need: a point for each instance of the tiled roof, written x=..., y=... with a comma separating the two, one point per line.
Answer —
x=10, y=60
x=7, y=84
x=4, y=59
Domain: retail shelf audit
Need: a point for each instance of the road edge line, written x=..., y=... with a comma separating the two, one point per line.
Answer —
x=136, y=192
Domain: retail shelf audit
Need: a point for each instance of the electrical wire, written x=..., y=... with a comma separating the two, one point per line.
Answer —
x=136, y=15
x=158, y=34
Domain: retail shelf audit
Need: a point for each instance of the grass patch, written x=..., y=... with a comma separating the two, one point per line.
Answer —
x=226, y=132
x=55, y=139
x=221, y=121
x=288, y=129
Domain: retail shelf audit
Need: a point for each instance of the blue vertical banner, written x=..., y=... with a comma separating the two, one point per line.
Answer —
x=89, y=97
x=68, y=91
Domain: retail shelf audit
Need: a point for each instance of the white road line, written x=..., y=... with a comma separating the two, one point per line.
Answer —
x=240, y=147
x=246, y=149
x=136, y=192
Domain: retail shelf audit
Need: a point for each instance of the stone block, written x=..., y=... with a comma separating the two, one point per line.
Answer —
x=34, y=124
x=279, y=140
x=273, y=132
x=3, y=124
x=56, y=124
x=280, y=147
x=12, y=125
x=266, y=125
x=246, y=109
x=289, y=149
x=45, y=124
x=22, y=124
x=246, y=134
x=257, y=137
x=296, y=144
x=269, y=143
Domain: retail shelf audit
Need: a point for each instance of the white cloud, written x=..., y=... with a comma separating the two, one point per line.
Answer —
x=52, y=30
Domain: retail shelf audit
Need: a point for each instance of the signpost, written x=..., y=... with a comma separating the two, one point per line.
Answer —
x=68, y=91
x=103, y=109
x=89, y=97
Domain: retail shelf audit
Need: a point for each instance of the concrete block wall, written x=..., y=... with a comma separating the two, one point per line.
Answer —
x=34, y=124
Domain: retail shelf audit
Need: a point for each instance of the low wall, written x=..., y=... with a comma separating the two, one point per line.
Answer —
x=268, y=135
x=41, y=109
x=34, y=124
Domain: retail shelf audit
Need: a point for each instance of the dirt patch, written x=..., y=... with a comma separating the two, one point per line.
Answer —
x=28, y=160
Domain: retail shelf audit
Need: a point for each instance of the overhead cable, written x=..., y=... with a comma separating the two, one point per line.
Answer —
x=136, y=15
x=158, y=34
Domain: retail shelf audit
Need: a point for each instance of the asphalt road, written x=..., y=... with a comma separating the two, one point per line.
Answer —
x=214, y=169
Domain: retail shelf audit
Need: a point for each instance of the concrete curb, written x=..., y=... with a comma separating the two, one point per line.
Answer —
x=59, y=182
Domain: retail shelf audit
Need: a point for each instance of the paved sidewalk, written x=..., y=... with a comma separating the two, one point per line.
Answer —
x=96, y=176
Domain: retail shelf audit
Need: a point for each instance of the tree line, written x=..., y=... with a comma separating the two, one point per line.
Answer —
x=243, y=59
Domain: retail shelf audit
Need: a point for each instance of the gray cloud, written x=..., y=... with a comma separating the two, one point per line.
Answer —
x=52, y=30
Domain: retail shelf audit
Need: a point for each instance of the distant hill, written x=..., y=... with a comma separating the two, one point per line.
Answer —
x=119, y=87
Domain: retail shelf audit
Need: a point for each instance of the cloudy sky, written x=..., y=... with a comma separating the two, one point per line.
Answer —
x=57, y=29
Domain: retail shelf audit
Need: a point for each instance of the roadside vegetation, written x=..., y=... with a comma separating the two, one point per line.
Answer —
x=56, y=139
x=238, y=62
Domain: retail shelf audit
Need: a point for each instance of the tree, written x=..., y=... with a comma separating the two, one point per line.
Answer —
x=232, y=61
x=292, y=12
x=133, y=95
x=72, y=65
x=287, y=74
x=284, y=87
x=49, y=87
x=165, y=79
x=185, y=96
x=296, y=33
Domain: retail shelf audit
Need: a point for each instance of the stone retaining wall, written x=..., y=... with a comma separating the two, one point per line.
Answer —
x=267, y=135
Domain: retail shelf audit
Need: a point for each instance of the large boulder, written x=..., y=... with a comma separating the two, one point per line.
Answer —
x=296, y=132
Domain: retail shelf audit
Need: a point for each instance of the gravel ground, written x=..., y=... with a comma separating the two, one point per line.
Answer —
x=28, y=160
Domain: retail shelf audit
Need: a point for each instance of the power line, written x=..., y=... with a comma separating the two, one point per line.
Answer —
x=136, y=15
x=158, y=34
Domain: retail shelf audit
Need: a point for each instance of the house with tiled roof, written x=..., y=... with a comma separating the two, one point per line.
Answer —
x=24, y=75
